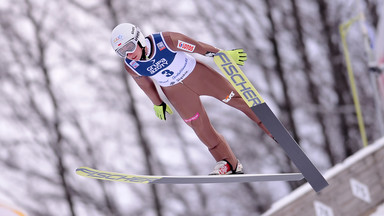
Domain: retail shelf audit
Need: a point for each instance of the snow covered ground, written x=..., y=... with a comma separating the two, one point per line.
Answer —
x=337, y=171
x=379, y=211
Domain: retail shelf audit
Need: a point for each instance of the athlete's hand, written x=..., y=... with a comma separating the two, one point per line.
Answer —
x=161, y=109
x=238, y=55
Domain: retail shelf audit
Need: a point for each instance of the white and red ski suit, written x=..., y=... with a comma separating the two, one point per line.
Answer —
x=183, y=79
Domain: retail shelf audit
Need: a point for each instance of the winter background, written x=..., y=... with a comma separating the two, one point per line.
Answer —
x=66, y=101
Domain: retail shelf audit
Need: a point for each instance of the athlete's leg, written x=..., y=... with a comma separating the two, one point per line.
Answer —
x=214, y=84
x=188, y=104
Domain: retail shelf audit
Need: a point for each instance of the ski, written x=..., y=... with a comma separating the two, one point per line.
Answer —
x=251, y=96
x=148, y=179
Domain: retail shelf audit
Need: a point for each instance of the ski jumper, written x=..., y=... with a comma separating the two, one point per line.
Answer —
x=183, y=79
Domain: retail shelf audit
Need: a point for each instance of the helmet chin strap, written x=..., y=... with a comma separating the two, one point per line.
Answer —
x=143, y=55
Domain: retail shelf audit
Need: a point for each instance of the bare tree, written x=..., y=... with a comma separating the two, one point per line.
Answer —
x=313, y=90
x=66, y=101
x=334, y=55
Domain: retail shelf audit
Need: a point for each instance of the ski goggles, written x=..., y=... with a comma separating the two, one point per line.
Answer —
x=128, y=47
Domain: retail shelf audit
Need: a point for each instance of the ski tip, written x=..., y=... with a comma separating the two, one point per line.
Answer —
x=84, y=171
x=113, y=176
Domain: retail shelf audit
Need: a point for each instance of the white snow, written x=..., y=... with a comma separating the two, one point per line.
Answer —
x=355, y=158
x=329, y=174
x=379, y=211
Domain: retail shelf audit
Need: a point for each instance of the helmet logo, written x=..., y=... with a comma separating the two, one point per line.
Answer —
x=117, y=39
x=137, y=36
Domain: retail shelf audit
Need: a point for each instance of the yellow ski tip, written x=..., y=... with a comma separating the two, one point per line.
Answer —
x=113, y=176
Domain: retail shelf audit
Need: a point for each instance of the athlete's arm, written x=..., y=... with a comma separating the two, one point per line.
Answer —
x=181, y=42
x=147, y=85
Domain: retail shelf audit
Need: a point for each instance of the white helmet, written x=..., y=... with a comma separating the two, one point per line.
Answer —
x=124, y=39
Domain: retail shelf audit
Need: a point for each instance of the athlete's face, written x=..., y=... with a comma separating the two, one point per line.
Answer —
x=136, y=55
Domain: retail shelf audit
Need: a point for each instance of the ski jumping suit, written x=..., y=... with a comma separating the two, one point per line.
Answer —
x=183, y=79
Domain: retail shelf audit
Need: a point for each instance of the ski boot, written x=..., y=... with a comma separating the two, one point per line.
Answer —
x=225, y=168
